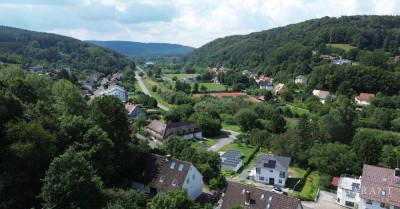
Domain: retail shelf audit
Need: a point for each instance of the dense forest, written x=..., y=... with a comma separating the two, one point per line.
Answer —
x=289, y=49
x=29, y=48
x=137, y=49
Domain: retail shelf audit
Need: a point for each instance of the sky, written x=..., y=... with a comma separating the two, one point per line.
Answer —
x=187, y=22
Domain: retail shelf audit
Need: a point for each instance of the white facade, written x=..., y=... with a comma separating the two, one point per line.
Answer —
x=301, y=80
x=236, y=168
x=116, y=91
x=271, y=176
x=268, y=87
x=370, y=204
x=348, y=191
x=193, y=183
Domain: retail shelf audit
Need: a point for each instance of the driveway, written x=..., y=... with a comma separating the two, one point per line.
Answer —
x=223, y=141
x=146, y=91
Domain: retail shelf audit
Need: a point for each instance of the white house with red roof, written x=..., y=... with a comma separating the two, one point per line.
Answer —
x=322, y=95
x=364, y=99
x=380, y=188
x=134, y=110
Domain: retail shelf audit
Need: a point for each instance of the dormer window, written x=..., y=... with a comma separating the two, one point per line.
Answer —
x=181, y=167
x=383, y=193
x=174, y=182
x=172, y=165
x=243, y=191
x=262, y=197
x=162, y=178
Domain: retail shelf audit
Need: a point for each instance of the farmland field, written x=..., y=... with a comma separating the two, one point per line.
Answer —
x=181, y=76
x=345, y=47
x=211, y=86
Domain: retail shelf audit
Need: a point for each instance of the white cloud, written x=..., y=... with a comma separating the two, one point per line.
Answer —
x=190, y=22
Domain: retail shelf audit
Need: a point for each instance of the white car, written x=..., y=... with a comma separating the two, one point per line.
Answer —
x=277, y=190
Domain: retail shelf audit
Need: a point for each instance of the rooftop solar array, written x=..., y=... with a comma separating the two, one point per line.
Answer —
x=231, y=158
x=270, y=164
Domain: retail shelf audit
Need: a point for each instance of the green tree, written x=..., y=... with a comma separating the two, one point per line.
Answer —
x=334, y=158
x=121, y=199
x=71, y=182
x=278, y=123
x=175, y=199
x=195, y=87
x=27, y=150
x=203, y=88
x=23, y=90
x=71, y=130
x=68, y=99
x=260, y=138
x=246, y=119
x=140, y=121
x=368, y=148
x=209, y=125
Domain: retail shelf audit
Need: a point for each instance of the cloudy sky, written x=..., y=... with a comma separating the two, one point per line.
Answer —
x=188, y=22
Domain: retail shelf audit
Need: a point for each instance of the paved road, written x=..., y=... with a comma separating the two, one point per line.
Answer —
x=146, y=91
x=152, y=144
x=224, y=141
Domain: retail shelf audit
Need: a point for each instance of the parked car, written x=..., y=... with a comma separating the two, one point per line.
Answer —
x=277, y=190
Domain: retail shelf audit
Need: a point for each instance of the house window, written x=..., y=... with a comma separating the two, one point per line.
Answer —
x=261, y=178
x=172, y=165
x=383, y=193
x=271, y=170
x=369, y=202
x=282, y=174
x=280, y=181
x=174, y=182
x=162, y=178
x=188, y=180
x=180, y=167
x=194, y=176
x=382, y=205
x=258, y=170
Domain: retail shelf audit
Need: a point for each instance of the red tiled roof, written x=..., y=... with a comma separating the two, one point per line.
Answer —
x=365, y=96
x=377, y=179
x=234, y=196
x=321, y=94
x=130, y=107
x=335, y=181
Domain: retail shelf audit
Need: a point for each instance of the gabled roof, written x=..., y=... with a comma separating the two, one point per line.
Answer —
x=161, y=172
x=279, y=163
x=164, y=130
x=365, y=96
x=321, y=94
x=259, y=199
x=377, y=179
x=266, y=83
x=300, y=77
x=131, y=107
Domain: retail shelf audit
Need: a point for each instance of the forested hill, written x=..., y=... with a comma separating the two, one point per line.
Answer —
x=137, y=49
x=280, y=48
x=27, y=48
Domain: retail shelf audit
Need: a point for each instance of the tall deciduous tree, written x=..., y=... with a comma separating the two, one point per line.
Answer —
x=71, y=182
x=67, y=98
x=176, y=199
x=246, y=119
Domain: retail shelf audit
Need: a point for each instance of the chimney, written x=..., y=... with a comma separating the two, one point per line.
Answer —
x=168, y=158
x=397, y=172
x=247, y=198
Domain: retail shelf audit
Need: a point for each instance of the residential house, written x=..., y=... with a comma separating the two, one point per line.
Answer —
x=272, y=169
x=245, y=72
x=380, y=188
x=134, y=111
x=363, y=99
x=397, y=58
x=148, y=64
x=161, y=131
x=215, y=80
x=159, y=174
x=231, y=160
x=327, y=57
x=117, y=91
x=266, y=84
x=115, y=77
x=348, y=190
x=189, y=80
x=35, y=69
x=249, y=197
x=341, y=61
x=301, y=79
x=322, y=95
x=279, y=88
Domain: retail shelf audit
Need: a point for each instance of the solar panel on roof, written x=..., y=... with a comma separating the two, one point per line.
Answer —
x=270, y=164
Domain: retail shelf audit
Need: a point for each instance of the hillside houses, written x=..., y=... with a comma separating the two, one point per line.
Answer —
x=272, y=169
x=117, y=91
x=363, y=99
x=301, y=79
x=322, y=95
x=134, y=110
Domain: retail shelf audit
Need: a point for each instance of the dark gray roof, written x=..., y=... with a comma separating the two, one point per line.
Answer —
x=179, y=128
x=279, y=163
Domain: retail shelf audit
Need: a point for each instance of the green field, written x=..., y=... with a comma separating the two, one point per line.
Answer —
x=149, y=83
x=345, y=47
x=234, y=128
x=181, y=76
x=211, y=86
x=137, y=87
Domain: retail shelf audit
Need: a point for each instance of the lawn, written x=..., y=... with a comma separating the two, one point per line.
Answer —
x=211, y=86
x=181, y=75
x=137, y=87
x=291, y=122
x=310, y=188
x=345, y=47
x=149, y=83
x=208, y=141
x=234, y=128
x=247, y=150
